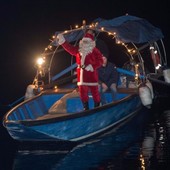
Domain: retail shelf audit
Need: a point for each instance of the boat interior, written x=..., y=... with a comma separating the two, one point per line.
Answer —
x=61, y=102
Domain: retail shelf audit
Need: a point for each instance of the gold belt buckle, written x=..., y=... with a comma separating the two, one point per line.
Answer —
x=83, y=66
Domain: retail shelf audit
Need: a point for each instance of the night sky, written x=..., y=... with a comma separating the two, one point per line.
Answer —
x=27, y=26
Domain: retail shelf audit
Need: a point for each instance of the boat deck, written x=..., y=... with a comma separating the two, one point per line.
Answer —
x=60, y=114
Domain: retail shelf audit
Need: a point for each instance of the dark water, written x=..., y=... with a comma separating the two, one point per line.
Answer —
x=140, y=144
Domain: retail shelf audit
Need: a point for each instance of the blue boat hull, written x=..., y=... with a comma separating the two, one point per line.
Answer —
x=71, y=127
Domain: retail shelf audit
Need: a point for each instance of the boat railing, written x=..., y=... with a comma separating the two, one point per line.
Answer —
x=65, y=80
x=16, y=102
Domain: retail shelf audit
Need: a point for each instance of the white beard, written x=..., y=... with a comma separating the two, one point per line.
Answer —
x=86, y=47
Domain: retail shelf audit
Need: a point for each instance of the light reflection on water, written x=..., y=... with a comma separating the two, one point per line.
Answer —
x=140, y=144
x=156, y=144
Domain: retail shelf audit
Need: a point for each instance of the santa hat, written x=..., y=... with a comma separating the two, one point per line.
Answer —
x=88, y=36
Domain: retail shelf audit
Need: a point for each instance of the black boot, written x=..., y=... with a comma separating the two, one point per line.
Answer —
x=85, y=106
x=96, y=104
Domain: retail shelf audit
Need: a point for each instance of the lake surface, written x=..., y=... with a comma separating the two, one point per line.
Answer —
x=142, y=143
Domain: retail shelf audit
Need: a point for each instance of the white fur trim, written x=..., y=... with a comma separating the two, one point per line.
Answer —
x=81, y=82
x=81, y=75
x=89, y=68
x=61, y=39
x=87, y=84
x=86, y=39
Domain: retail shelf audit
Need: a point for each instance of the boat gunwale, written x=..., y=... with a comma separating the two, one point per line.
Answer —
x=45, y=92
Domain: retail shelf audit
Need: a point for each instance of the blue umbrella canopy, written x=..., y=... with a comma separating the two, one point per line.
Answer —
x=127, y=28
x=131, y=29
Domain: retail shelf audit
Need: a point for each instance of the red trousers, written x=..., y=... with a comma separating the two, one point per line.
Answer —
x=84, y=90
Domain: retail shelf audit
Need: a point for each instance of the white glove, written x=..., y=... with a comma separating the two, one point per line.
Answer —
x=89, y=68
x=61, y=39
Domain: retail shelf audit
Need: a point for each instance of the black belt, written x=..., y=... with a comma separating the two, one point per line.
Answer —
x=82, y=66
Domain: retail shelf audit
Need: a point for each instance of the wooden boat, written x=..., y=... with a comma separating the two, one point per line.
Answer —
x=30, y=120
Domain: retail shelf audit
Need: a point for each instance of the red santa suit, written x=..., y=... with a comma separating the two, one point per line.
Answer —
x=88, y=59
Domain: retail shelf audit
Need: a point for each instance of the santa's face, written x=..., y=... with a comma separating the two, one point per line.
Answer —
x=86, y=46
x=85, y=43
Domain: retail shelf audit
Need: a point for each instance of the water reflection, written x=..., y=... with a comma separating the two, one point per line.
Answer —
x=156, y=143
x=110, y=151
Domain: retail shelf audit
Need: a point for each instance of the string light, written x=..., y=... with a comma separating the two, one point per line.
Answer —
x=155, y=51
x=91, y=26
x=102, y=29
x=94, y=26
x=142, y=162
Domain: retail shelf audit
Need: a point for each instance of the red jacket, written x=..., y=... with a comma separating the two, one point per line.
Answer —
x=95, y=59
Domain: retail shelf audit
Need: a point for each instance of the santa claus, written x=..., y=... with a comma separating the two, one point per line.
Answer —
x=88, y=59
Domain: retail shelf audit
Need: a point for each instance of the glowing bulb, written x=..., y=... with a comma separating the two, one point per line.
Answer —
x=155, y=51
x=157, y=67
x=40, y=61
x=118, y=42
x=134, y=51
x=50, y=47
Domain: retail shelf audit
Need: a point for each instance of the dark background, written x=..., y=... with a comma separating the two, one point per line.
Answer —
x=27, y=26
